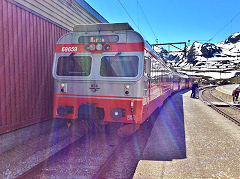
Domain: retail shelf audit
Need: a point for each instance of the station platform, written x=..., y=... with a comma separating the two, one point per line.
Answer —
x=190, y=140
x=25, y=148
x=225, y=91
x=222, y=104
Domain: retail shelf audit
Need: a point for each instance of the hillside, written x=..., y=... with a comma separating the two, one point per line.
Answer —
x=221, y=60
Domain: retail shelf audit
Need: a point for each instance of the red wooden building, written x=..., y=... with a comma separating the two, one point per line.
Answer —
x=29, y=30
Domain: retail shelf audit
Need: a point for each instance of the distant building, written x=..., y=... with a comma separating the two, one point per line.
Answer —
x=237, y=74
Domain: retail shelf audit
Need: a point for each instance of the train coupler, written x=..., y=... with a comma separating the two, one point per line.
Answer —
x=69, y=123
x=127, y=130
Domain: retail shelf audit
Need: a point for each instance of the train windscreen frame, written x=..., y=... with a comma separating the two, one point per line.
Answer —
x=74, y=65
x=119, y=66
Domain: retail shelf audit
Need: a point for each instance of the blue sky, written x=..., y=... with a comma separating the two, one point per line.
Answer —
x=175, y=20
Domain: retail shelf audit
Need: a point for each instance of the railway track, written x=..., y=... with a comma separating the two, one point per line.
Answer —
x=95, y=155
x=223, y=107
x=86, y=158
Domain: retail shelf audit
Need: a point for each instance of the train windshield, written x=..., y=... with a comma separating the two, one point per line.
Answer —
x=74, y=66
x=119, y=66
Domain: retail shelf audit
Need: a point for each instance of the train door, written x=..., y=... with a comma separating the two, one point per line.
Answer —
x=171, y=82
x=147, y=78
x=179, y=83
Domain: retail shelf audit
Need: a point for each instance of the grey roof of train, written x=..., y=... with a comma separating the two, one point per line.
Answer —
x=101, y=27
x=92, y=11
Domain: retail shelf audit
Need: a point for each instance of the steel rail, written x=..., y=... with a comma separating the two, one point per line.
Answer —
x=205, y=100
x=219, y=98
x=98, y=174
x=42, y=164
x=115, y=152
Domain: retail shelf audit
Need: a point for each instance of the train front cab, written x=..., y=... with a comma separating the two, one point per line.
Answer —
x=106, y=84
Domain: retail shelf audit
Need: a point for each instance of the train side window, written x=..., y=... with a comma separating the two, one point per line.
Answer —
x=154, y=67
x=161, y=73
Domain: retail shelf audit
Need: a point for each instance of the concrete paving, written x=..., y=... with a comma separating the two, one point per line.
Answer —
x=228, y=89
x=225, y=91
x=204, y=145
x=223, y=104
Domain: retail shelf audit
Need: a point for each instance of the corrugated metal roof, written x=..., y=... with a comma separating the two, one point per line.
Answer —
x=92, y=11
x=65, y=13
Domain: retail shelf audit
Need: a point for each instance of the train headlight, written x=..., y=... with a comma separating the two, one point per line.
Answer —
x=117, y=113
x=99, y=47
x=92, y=47
x=127, y=87
x=107, y=47
x=62, y=85
x=87, y=47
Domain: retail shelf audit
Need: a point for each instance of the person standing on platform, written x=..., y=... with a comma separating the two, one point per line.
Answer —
x=237, y=92
x=194, y=89
x=234, y=95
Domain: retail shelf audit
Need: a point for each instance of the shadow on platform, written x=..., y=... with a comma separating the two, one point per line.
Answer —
x=167, y=138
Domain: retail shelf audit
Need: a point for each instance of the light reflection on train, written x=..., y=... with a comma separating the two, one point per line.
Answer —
x=107, y=73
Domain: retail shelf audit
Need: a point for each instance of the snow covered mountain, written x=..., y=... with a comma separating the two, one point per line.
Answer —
x=221, y=60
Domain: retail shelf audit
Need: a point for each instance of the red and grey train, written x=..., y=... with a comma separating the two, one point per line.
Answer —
x=107, y=72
